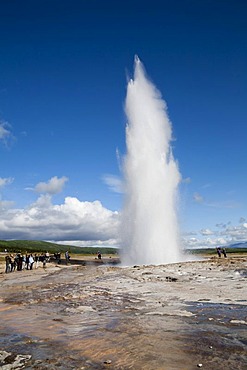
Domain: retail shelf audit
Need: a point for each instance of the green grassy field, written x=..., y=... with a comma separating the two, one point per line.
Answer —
x=23, y=246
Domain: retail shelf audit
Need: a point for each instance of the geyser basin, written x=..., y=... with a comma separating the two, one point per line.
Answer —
x=149, y=227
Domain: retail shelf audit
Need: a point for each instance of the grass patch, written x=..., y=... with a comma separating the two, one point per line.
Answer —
x=36, y=246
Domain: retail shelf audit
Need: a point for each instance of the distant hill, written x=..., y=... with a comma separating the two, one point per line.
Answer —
x=238, y=245
x=37, y=246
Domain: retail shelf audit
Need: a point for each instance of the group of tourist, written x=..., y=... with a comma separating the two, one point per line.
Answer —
x=221, y=251
x=21, y=262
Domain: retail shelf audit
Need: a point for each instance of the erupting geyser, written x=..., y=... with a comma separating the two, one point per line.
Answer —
x=149, y=227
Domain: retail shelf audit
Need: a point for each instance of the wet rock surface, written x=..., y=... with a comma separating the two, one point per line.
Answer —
x=173, y=316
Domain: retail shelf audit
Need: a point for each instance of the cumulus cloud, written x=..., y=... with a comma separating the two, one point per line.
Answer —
x=235, y=233
x=194, y=243
x=110, y=243
x=87, y=222
x=226, y=235
x=75, y=222
x=114, y=183
x=5, y=181
x=6, y=204
x=53, y=186
x=90, y=223
x=206, y=232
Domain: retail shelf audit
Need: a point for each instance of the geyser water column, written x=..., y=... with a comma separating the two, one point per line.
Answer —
x=149, y=227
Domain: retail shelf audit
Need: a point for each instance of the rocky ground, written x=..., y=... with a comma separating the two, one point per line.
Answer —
x=97, y=316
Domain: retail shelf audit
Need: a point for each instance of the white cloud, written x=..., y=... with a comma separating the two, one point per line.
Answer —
x=87, y=222
x=206, y=232
x=53, y=186
x=88, y=243
x=227, y=235
x=5, y=181
x=194, y=243
x=6, y=204
x=235, y=233
x=114, y=183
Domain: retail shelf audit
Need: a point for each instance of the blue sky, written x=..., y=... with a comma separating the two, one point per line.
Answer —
x=64, y=68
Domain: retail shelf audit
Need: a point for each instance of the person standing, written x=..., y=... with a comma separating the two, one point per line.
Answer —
x=23, y=262
x=47, y=256
x=36, y=260
x=27, y=261
x=42, y=259
x=20, y=262
x=12, y=262
x=224, y=252
x=31, y=261
x=67, y=257
x=218, y=251
x=7, y=263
